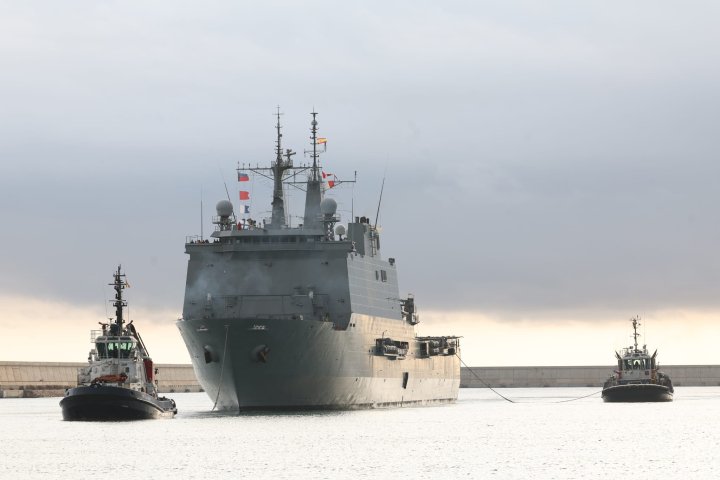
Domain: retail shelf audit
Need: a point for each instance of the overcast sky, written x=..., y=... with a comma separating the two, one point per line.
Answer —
x=545, y=162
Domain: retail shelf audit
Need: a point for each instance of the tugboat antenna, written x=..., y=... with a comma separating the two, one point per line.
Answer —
x=119, y=303
x=636, y=322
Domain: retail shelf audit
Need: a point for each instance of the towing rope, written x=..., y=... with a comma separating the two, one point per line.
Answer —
x=483, y=381
x=514, y=401
x=222, y=368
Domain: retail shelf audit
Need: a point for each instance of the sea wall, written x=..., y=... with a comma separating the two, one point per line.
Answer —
x=50, y=379
x=593, y=376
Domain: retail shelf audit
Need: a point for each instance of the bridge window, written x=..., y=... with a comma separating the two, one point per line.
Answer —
x=114, y=349
x=383, y=275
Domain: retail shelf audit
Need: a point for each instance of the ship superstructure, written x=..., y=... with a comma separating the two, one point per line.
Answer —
x=306, y=316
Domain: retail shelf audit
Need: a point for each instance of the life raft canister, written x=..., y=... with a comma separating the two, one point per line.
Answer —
x=148, y=369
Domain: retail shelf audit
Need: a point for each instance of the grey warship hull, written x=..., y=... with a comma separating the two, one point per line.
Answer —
x=309, y=316
x=310, y=364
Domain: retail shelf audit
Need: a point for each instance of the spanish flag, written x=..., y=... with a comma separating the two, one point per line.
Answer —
x=321, y=140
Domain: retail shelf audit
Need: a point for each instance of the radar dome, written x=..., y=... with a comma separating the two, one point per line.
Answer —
x=224, y=208
x=328, y=206
x=340, y=230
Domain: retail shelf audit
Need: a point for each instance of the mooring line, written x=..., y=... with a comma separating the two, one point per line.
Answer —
x=515, y=401
x=222, y=367
x=483, y=381
x=577, y=398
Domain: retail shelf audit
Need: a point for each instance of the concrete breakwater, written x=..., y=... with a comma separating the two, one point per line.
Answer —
x=50, y=379
x=594, y=376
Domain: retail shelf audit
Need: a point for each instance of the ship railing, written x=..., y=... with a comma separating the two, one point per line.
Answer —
x=194, y=239
x=94, y=334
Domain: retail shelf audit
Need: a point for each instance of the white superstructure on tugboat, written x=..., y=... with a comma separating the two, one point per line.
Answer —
x=638, y=377
x=119, y=381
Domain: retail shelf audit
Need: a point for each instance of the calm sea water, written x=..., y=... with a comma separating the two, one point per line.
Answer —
x=481, y=436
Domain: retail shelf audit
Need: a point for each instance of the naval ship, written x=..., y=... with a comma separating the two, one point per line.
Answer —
x=277, y=316
x=638, y=377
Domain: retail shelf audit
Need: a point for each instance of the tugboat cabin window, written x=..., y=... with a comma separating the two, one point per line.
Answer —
x=636, y=364
x=112, y=349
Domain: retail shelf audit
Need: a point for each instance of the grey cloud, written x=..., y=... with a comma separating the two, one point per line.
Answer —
x=538, y=157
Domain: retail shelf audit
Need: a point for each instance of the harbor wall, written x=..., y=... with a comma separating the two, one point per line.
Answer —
x=592, y=376
x=50, y=379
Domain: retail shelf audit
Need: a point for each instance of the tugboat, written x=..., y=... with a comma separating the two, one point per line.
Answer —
x=637, y=378
x=118, y=383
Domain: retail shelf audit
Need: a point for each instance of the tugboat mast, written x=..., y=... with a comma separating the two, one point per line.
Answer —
x=119, y=303
x=636, y=323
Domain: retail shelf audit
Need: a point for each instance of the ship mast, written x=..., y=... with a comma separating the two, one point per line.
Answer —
x=119, y=303
x=636, y=323
x=314, y=175
x=313, y=195
x=278, y=173
x=278, y=169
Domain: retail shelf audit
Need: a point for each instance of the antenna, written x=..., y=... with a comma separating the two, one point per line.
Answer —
x=228, y=195
x=227, y=192
x=278, y=172
x=278, y=146
x=352, y=199
x=313, y=130
x=635, y=322
x=119, y=303
x=377, y=215
x=201, y=213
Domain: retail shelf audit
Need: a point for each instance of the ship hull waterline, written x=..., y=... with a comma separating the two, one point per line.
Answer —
x=110, y=403
x=311, y=365
x=647, y=392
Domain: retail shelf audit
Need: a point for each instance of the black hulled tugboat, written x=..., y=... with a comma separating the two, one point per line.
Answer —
x=638, y=378
x=118, y=383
